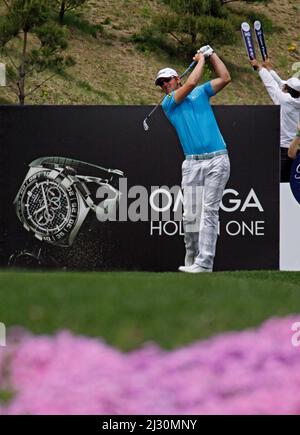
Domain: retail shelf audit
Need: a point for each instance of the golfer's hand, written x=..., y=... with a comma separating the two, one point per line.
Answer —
x=199, y=56
x=255, y=64
x=207, y=50
x=204, y=49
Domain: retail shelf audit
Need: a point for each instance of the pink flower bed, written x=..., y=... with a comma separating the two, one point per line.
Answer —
x=251, y=372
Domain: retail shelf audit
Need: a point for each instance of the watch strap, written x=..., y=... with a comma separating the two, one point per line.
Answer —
x=78, y=165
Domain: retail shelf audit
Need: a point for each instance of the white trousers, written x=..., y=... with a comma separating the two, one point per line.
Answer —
x=203, y=183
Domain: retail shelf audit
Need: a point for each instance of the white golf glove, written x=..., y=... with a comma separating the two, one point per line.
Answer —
x=206, y=50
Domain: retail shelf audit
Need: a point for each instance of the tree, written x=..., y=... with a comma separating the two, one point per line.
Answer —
x=68, y=5
x=194, y=22
x=32, y=41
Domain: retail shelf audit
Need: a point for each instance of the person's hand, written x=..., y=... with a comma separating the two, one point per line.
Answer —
x=199, y=56
x=267, y=64
x=207, y=50
x=255, y=64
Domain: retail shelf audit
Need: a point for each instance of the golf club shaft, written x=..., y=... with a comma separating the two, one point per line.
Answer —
x=188, y=68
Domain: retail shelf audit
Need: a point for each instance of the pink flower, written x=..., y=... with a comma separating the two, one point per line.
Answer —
x=250, y=372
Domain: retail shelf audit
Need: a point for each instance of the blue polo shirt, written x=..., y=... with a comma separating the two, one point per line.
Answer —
x=194, y=121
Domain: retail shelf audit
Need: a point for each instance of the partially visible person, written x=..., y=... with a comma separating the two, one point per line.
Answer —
x=287, y=95
x=295, y=145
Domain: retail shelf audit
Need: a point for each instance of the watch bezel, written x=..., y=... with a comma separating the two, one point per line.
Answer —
x=66, y=184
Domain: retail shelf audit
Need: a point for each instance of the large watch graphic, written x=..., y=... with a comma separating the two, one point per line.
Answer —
x=54, y=200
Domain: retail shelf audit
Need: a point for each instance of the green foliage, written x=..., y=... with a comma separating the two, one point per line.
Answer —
x=106, y=21
x=44, y=59
x=4, y=100
x=197, y=7
x=146, y=12
x=265, y=2
x=217, y=29
x=52, y=36
x=71, y=4
x=11, y=73
x=23, y=15
x=83, y=84
x=204, y=27
x=75, y=21
x=34, y=17
x=283, y=61
x=238, y=15
x=67, y=5
x=191, y=23
x=6, y=396
x=150, y=38
x=8, y=29
x=29, y=13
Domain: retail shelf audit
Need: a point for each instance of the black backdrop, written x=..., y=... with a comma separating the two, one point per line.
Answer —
x=113, y=136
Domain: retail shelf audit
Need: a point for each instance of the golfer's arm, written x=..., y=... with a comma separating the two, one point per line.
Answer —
x=191, y=82
x=221, y=71
x=293, y=148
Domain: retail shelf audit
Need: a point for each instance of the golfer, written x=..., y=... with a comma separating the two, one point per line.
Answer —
x=287, y=95
x=205, y=170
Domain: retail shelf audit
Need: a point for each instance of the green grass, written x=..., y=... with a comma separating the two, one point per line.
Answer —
x=6, y=396
x=83, y=25
x=129, y=309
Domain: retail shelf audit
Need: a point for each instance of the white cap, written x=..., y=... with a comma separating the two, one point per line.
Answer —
x=166, y=73
x=293, y=83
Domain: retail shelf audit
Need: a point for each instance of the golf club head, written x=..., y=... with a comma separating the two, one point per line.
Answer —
x=145, y=125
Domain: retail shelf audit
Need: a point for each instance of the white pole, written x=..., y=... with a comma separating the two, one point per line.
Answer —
x=2, y=74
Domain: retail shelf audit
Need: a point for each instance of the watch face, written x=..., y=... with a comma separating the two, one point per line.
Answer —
x=48, y=207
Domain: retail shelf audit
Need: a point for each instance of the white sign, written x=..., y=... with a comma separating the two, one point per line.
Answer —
x=2, y=335
x=289, y=235
x=2, y=74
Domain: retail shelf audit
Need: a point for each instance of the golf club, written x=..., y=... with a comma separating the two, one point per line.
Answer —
x=145, y=122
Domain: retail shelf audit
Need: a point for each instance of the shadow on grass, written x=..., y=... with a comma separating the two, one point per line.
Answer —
x=84, y=85
x=83, y=25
